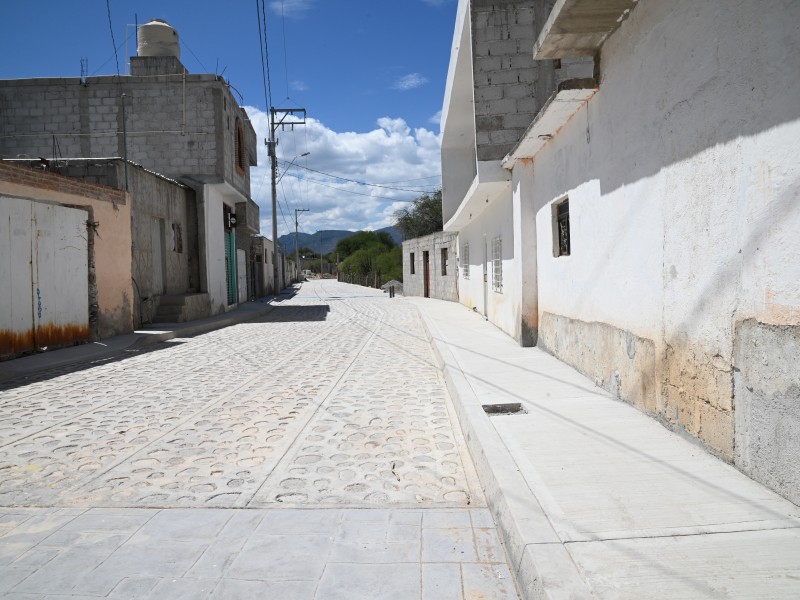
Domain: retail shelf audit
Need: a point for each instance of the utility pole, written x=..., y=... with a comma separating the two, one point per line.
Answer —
x=278, y=118
x=296, y=250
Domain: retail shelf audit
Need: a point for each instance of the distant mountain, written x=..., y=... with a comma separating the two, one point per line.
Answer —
x=327, y=239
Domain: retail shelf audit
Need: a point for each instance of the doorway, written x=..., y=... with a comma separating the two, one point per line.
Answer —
x=426, y=274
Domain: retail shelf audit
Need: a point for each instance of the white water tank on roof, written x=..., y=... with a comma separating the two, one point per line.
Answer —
x=158, y=38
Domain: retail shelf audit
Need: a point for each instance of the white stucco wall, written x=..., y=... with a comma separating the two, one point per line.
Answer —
x=213, y=200
x=683, y=185
x=501, y=308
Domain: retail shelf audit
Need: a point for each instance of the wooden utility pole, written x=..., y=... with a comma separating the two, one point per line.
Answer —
x=278, y=118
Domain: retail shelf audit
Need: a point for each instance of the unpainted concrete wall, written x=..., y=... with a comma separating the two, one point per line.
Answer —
x=175, y=126
x=443, y=287
x=504, y=74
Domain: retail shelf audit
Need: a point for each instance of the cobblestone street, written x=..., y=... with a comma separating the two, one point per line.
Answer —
x=327, y=419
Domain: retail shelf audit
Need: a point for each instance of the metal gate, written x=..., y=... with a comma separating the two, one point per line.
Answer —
x=44, y=295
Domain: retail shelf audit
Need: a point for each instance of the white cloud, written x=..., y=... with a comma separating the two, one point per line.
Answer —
x=409, y=82
x=298, y=86
x=291, y=8
x=436, y=119
x=392, y=154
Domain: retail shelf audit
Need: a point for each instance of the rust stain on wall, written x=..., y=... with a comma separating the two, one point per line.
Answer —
x=14, y=343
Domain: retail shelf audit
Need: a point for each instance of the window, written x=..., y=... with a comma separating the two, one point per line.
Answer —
x=444, y=261
x=561, y=241
x=497, y=264
x=465, y=261
x=411, y=261
x=241, y=159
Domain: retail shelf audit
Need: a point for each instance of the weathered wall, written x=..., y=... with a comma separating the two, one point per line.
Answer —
x=152, y=198
x=174, y=127
x=682, y=183
x=111, y=212
x=443, y=287
x=44, y=299
x=766, y=382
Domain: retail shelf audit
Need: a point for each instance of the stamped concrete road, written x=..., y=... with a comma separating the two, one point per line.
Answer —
x=311, y=454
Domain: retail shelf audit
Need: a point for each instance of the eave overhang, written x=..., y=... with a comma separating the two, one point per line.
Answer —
x=554, y=115
x=579, y=27
x=490, y=182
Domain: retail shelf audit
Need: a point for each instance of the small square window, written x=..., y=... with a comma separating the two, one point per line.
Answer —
x=561, y=239
x=465, y=261
x=411, y=261
x=497, y=264
x=444, y=261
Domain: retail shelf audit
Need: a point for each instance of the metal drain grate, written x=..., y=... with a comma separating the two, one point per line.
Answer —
x=510, y=408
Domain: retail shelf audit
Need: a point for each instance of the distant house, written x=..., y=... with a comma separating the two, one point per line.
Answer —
x=430, y=268
x=625, y=196
x=186, y=127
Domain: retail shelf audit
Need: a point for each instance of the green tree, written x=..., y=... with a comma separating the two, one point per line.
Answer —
x=368, y=252
x=422, y=217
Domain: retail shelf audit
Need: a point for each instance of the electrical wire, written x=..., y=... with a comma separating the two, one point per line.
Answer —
x=377, y=185
x=200, y=62
x=111, y=29
x=285, y=59
x=264, y=48
x=314, y=181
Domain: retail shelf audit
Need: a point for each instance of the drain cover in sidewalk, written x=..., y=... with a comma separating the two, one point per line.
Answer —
x=510, y=408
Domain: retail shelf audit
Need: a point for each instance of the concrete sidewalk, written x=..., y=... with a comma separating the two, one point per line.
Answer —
x=596, y=499
x=146, y=336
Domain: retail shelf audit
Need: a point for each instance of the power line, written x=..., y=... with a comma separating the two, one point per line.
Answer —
x=378, y=185
x=113, y=43
x=285, y=59
x=314, y=181
x=264, y=49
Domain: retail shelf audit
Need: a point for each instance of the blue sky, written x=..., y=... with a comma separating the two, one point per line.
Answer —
x=371, y=74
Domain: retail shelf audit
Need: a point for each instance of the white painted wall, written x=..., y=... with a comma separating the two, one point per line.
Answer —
x=501, y=308
x=214, y=199
x=682, y=177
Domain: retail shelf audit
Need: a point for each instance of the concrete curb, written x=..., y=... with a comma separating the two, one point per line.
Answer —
x=541, y=564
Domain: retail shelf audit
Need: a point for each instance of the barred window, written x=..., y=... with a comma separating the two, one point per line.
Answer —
x=561, y=238
x=411, y=262
x=444, y=261
x=465, y=261
x=497, y=264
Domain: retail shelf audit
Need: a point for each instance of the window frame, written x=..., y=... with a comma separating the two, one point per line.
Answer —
x=562, y=239
x=465, y=260
x=497, y=264
x=443, y=259
x=412, y=269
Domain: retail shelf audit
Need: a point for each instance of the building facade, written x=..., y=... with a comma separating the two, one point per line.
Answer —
x=66, y=268
x=430, y=266
x=647, y=211
x=187, y=127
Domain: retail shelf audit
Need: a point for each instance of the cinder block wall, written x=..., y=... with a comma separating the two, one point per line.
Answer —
x=505, y=75
x=443, y=287
x=175, y=125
